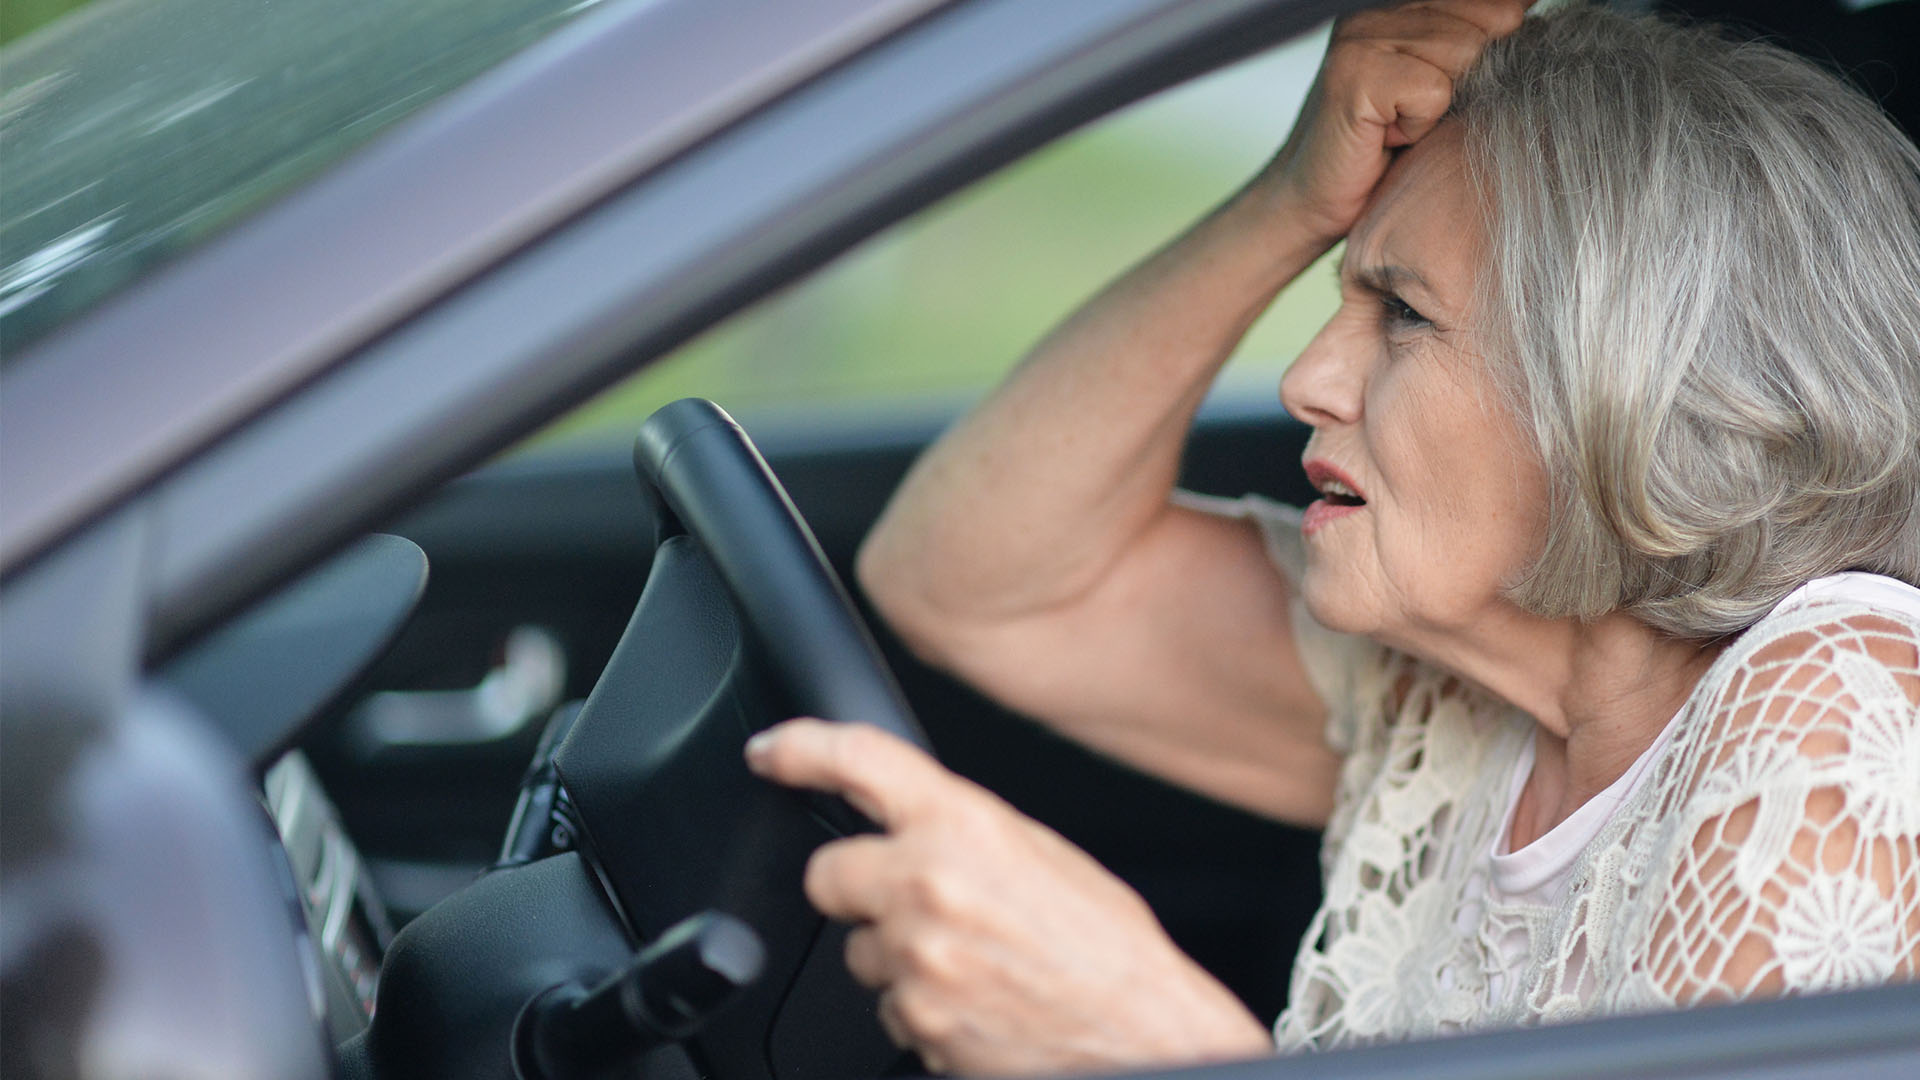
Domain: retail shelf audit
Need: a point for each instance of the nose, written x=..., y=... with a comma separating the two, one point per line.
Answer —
x=1326, y=385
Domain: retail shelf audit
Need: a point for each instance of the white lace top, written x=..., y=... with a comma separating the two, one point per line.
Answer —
x=1768, y=842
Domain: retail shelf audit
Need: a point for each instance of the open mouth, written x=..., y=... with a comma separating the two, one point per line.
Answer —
x=1334, y=486
x=1339, y=495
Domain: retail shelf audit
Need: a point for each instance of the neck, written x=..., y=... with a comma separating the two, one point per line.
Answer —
x=1601, y=693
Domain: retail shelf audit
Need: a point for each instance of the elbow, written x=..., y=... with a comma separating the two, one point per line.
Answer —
x=876, y=574
x=889, y=582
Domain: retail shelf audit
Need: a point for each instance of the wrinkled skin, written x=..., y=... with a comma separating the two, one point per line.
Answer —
x=998, y=947
x=1398, y=392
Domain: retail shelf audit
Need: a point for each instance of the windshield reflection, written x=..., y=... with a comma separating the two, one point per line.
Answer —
x=133, y=130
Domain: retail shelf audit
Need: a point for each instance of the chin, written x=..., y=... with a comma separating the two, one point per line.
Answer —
x=1334, y=600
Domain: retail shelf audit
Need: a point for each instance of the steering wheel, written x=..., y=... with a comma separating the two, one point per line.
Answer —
x=742, y=624
x=716, y=485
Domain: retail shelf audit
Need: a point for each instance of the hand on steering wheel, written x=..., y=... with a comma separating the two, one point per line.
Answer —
x=999, y=947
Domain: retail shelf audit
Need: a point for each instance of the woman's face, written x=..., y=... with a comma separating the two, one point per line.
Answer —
x=1431, y=502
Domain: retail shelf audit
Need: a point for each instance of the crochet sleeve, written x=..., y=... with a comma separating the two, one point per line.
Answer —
x=1790, y=854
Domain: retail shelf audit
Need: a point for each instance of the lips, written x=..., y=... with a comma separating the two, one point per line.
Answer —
x=1339, y=496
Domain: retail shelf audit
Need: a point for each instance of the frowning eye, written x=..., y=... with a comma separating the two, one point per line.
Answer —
x=1400, y=315
x=1382, y=284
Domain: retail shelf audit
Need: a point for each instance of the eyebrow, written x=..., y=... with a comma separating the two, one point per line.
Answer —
x=1390, y=279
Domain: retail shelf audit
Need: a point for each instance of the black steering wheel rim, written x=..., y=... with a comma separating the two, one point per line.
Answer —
x=742, y=623
x=717, y=487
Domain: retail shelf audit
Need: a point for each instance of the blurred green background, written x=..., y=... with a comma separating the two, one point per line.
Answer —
x=18, y=17
x=939, y=307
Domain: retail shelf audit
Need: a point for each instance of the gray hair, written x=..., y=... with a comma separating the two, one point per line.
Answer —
x=1706, y=268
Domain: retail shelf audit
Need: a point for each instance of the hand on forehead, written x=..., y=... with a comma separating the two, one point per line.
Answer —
x=1423, y=227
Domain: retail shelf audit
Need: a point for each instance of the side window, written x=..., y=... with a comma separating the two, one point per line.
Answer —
x=938, y=308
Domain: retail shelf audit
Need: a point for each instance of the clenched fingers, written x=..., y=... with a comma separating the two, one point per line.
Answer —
x=1387, y=81
x=1494, y=18
x=1399, y=64
x=853, y=880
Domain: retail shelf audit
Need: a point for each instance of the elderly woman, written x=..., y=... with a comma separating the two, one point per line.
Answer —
x=1599, y=659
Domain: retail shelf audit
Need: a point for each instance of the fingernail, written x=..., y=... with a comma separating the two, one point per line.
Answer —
x=757, y=749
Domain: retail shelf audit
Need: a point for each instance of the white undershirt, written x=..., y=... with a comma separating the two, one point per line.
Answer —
x=1538, y=874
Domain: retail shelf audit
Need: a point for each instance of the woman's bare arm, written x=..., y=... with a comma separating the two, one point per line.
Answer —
x=1034, y=550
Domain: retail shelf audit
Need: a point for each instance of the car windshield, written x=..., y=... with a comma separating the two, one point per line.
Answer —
x=134, y=130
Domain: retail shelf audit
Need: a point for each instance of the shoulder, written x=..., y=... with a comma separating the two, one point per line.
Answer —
x=1821, y=694
x=1786, y=822
x=1825, y=663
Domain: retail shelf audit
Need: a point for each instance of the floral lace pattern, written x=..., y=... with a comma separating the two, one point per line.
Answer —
x=1774, y=848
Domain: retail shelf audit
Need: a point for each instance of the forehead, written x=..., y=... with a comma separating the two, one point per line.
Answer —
x=1423, y=215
